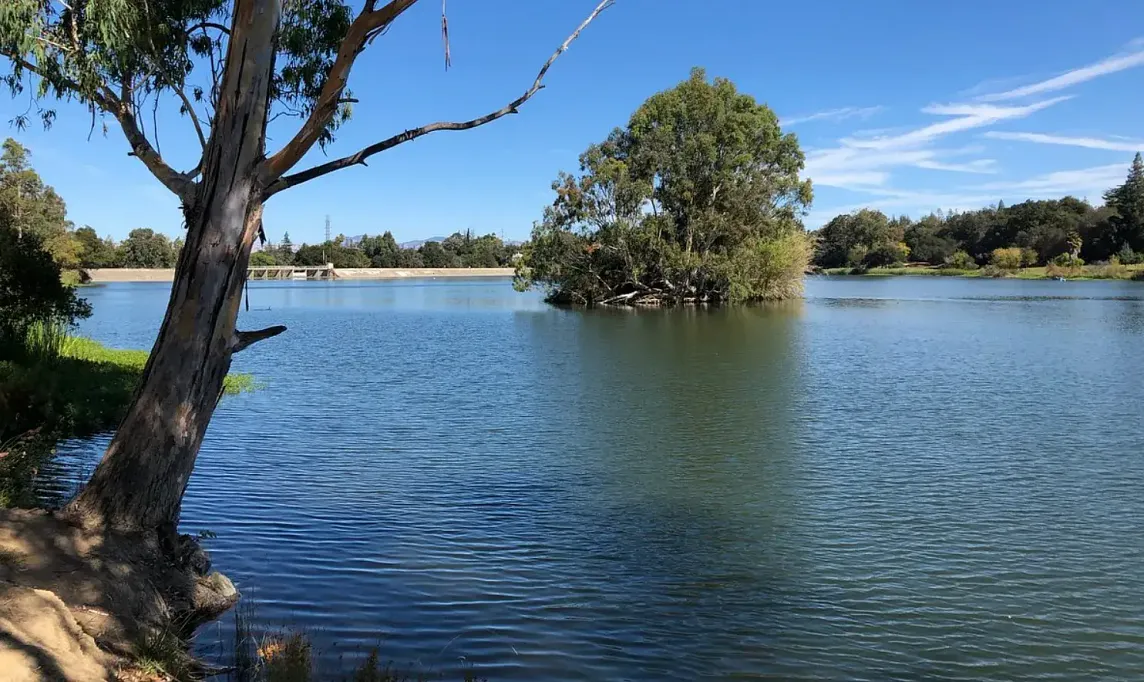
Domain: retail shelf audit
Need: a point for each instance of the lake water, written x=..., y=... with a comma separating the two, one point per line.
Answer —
x=895, y=479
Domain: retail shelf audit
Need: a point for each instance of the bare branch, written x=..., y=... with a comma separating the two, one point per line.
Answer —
x=243, y=340
x=510, y=108
x=194, y=116
x=366, y=25
x=209, y=24
x=121, y=109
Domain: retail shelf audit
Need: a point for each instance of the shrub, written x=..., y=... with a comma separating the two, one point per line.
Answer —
x=1113, y=269
x=885, y=254
x=1067, y=260
x=767, y=269
x=1065, y=265
x=262, y=259
x=856, y=256
x=33, y=299
x=1006, y=259
x=1029, y=257
x=994, y=271
x=961, y=260
x=1129, y=257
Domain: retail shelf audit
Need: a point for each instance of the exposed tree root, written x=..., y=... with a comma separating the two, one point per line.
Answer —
x=80, y=603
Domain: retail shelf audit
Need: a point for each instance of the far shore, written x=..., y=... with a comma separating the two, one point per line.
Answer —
x=100, y=275
x=1086, y=272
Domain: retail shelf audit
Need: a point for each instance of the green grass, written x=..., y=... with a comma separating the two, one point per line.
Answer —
x=64, y=387
x=1085, y=272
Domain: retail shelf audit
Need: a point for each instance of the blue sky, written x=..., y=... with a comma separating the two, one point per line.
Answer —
x=901, y=105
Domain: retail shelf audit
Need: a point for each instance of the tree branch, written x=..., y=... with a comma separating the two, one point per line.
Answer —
x=243, y=340
x=120, y=108
x=209, y=24
x=288, y=181
x=368, y=23
x=194, y=116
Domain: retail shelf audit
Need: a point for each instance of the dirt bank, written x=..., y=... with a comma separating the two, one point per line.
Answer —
x=167, y=275
x=82, y=603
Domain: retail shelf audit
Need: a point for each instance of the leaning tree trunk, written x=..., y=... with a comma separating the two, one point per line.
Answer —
x=140, y=482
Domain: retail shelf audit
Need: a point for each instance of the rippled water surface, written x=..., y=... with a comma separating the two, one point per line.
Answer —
x=905, y=479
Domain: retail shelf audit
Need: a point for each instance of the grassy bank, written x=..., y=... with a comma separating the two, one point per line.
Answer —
x=1123, y=272
x=63, y=387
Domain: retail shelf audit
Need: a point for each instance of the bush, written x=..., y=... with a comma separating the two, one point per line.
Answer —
x=1111, y=270
x=1129, y=257
x=886, y=254
x=1029, y=258
x=1006, y=259
x=856, y=256
x=961, y=260
x=33, y=299
x=262, y=259
x=1067, y=260
x=767, y=269
x=994, y=271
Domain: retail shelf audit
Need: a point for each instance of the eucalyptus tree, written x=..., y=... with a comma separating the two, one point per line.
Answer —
x=697, y=200
x=231, y=65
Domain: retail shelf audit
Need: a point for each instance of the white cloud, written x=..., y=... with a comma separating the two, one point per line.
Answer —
x=1088, y=142
x=969, y=116
x=833, y=115
x=985, y=166
x=1081, y=181
x=852, y=180
x=1069, y=78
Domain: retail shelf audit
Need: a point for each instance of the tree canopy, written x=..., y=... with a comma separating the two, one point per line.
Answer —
x=1039, y=231
x=698, y=199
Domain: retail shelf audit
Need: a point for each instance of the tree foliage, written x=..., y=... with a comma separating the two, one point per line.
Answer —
x=31, y=291
x=32, y=207
x=698, y=199
x=1038, y=230
x=145, y=248
x=1127, y=200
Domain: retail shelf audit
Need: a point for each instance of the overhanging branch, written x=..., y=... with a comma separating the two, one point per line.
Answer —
x=367, y=24
x=120, y=108
x=360, y=157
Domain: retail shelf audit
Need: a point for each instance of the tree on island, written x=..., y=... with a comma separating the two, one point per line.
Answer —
x=255, y=58
x=698, y=200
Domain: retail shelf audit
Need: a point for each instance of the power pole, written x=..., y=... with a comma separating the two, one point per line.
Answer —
x=324, y=257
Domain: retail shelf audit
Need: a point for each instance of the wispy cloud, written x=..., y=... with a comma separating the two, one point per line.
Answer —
x=1081, y=181
x=967, y=117
x=851, y=180
x=1104, y=67
x=985, y=166
x=1088, y=142
x=833, y=115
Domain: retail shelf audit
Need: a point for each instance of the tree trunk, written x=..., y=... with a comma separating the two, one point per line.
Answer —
x=140, y=482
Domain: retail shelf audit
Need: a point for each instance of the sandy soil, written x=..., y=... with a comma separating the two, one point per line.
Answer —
x=167, y=275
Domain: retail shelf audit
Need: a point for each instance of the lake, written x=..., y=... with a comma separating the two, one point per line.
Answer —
x=895, y=479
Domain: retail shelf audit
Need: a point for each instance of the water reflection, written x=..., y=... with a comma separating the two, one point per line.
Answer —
x=896, y=479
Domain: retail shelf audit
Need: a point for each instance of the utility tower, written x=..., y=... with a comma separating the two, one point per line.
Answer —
x=326, y=257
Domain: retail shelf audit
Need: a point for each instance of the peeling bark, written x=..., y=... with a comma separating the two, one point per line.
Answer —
x=140, y=482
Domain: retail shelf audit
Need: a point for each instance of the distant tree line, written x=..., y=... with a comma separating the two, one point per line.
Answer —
x=461, y=250
x=30, y=207
x=1066, y=231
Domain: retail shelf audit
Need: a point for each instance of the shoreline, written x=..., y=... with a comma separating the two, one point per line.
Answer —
x=104, y=275
x=1127, y=273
